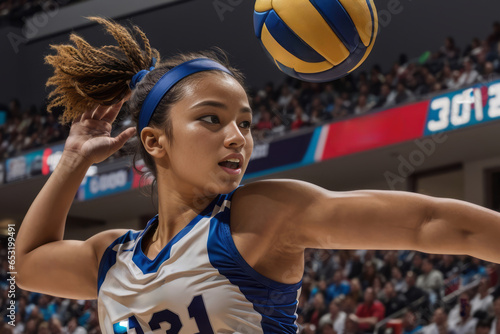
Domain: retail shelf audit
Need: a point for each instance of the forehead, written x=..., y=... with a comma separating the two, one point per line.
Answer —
x=214, y=85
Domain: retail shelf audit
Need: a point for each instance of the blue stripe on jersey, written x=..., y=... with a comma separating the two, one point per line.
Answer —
x=109, y=257
x=149, y=266
x=275, y=302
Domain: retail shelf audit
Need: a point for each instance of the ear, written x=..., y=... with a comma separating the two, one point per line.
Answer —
x=154, y=141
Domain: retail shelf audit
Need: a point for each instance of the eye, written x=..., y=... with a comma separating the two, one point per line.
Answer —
x=246, y=124
x=212, y=119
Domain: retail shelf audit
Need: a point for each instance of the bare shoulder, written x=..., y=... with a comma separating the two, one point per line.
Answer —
x=278, y=192
x=279, y=189
x=102, y=240
x=273, y=200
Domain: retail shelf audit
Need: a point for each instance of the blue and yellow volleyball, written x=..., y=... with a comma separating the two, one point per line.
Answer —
x=316, y=40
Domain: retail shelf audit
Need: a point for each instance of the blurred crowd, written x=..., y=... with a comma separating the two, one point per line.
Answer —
x=23, y=130
x=352, y=292
x=296, y=104
x=343, y=292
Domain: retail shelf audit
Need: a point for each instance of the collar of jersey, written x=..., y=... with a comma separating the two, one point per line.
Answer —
x=147, y=265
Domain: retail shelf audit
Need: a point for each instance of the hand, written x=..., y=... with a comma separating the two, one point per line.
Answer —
x=90, y=135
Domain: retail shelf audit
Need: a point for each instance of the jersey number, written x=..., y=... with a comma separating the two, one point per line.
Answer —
x=196, y=310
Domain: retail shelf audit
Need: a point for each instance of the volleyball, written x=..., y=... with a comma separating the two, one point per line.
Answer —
x=316, y=40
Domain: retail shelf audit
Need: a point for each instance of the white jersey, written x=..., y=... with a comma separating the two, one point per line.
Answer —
x=198, y=283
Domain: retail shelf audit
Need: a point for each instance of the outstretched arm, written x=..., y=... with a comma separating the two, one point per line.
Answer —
x=318, y=218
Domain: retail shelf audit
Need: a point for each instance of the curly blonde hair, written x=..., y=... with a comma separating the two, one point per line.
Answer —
x=87, y=76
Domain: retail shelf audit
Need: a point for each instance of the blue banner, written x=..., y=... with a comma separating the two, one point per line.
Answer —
x=463, y=108
x=24, y=166
x=106, y=184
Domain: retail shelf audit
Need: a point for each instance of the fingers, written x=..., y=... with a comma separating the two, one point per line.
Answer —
x=109, y=115
x=122, y=138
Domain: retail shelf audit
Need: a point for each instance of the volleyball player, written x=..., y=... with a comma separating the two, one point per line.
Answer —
x=218, y=257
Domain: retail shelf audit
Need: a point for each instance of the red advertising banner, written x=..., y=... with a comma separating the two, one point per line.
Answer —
x=375, y=130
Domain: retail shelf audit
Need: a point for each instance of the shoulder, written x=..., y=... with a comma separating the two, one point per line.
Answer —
x=102, y=240
x=277, y=191
x=272, y=200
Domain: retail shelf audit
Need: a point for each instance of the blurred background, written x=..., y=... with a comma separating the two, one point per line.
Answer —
x=421, y=114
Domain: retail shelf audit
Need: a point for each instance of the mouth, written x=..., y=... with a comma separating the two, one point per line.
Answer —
x=231, y=163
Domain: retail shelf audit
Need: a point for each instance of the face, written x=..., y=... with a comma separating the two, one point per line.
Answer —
x=210, y=123
x=388, y=289
x=369, y=296
x=439, y=316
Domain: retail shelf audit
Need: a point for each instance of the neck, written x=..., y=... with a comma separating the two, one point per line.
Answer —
x=177, y=206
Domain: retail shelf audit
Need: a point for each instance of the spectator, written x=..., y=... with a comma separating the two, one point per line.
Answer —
x=488, y=71
x=362, y=106
x=325, y=267
x=414, y=293
x=278, y=128
x=439, y=323
x=398, y=280
x=356, y=291
x=483, y=326
x=328, y=329
x=431, y=280
x=448, y=266
x=482, y=301
x=402, y=94
x=74, y=328
x=335, y=317
x=265, y=121
x=469, y=75
x=383, y=100
x=465, y=324
x=339, y=110
x=55, y=326
x=299, y=119
x=369, y=312
x=393, y=301
x=474, y=270
x=45, y=309
x=316, y=117
x=449, y=50
x=338, y=287
x=410, y=323
x=328, y=96
x=351, y=325
x=43, y=328
x=285, y=97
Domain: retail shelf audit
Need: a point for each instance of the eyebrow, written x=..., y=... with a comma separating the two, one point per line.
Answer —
x=220, y=105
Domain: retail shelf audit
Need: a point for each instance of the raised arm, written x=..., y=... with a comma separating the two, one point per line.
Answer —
x=44, y=262
x=313, y=217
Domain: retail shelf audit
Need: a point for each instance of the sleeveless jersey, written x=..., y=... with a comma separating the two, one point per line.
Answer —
x=198, y=283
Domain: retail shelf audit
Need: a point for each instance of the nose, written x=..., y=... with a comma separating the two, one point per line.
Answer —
x=234, y=138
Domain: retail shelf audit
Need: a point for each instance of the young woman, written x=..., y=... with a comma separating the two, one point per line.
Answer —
x=218, y=257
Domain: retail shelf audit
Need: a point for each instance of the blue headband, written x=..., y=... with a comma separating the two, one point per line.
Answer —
x=168, y=80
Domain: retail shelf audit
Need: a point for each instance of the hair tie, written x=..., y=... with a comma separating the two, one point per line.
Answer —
x=141, y=74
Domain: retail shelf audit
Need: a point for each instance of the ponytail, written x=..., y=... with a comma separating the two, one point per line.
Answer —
x=86, y=76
